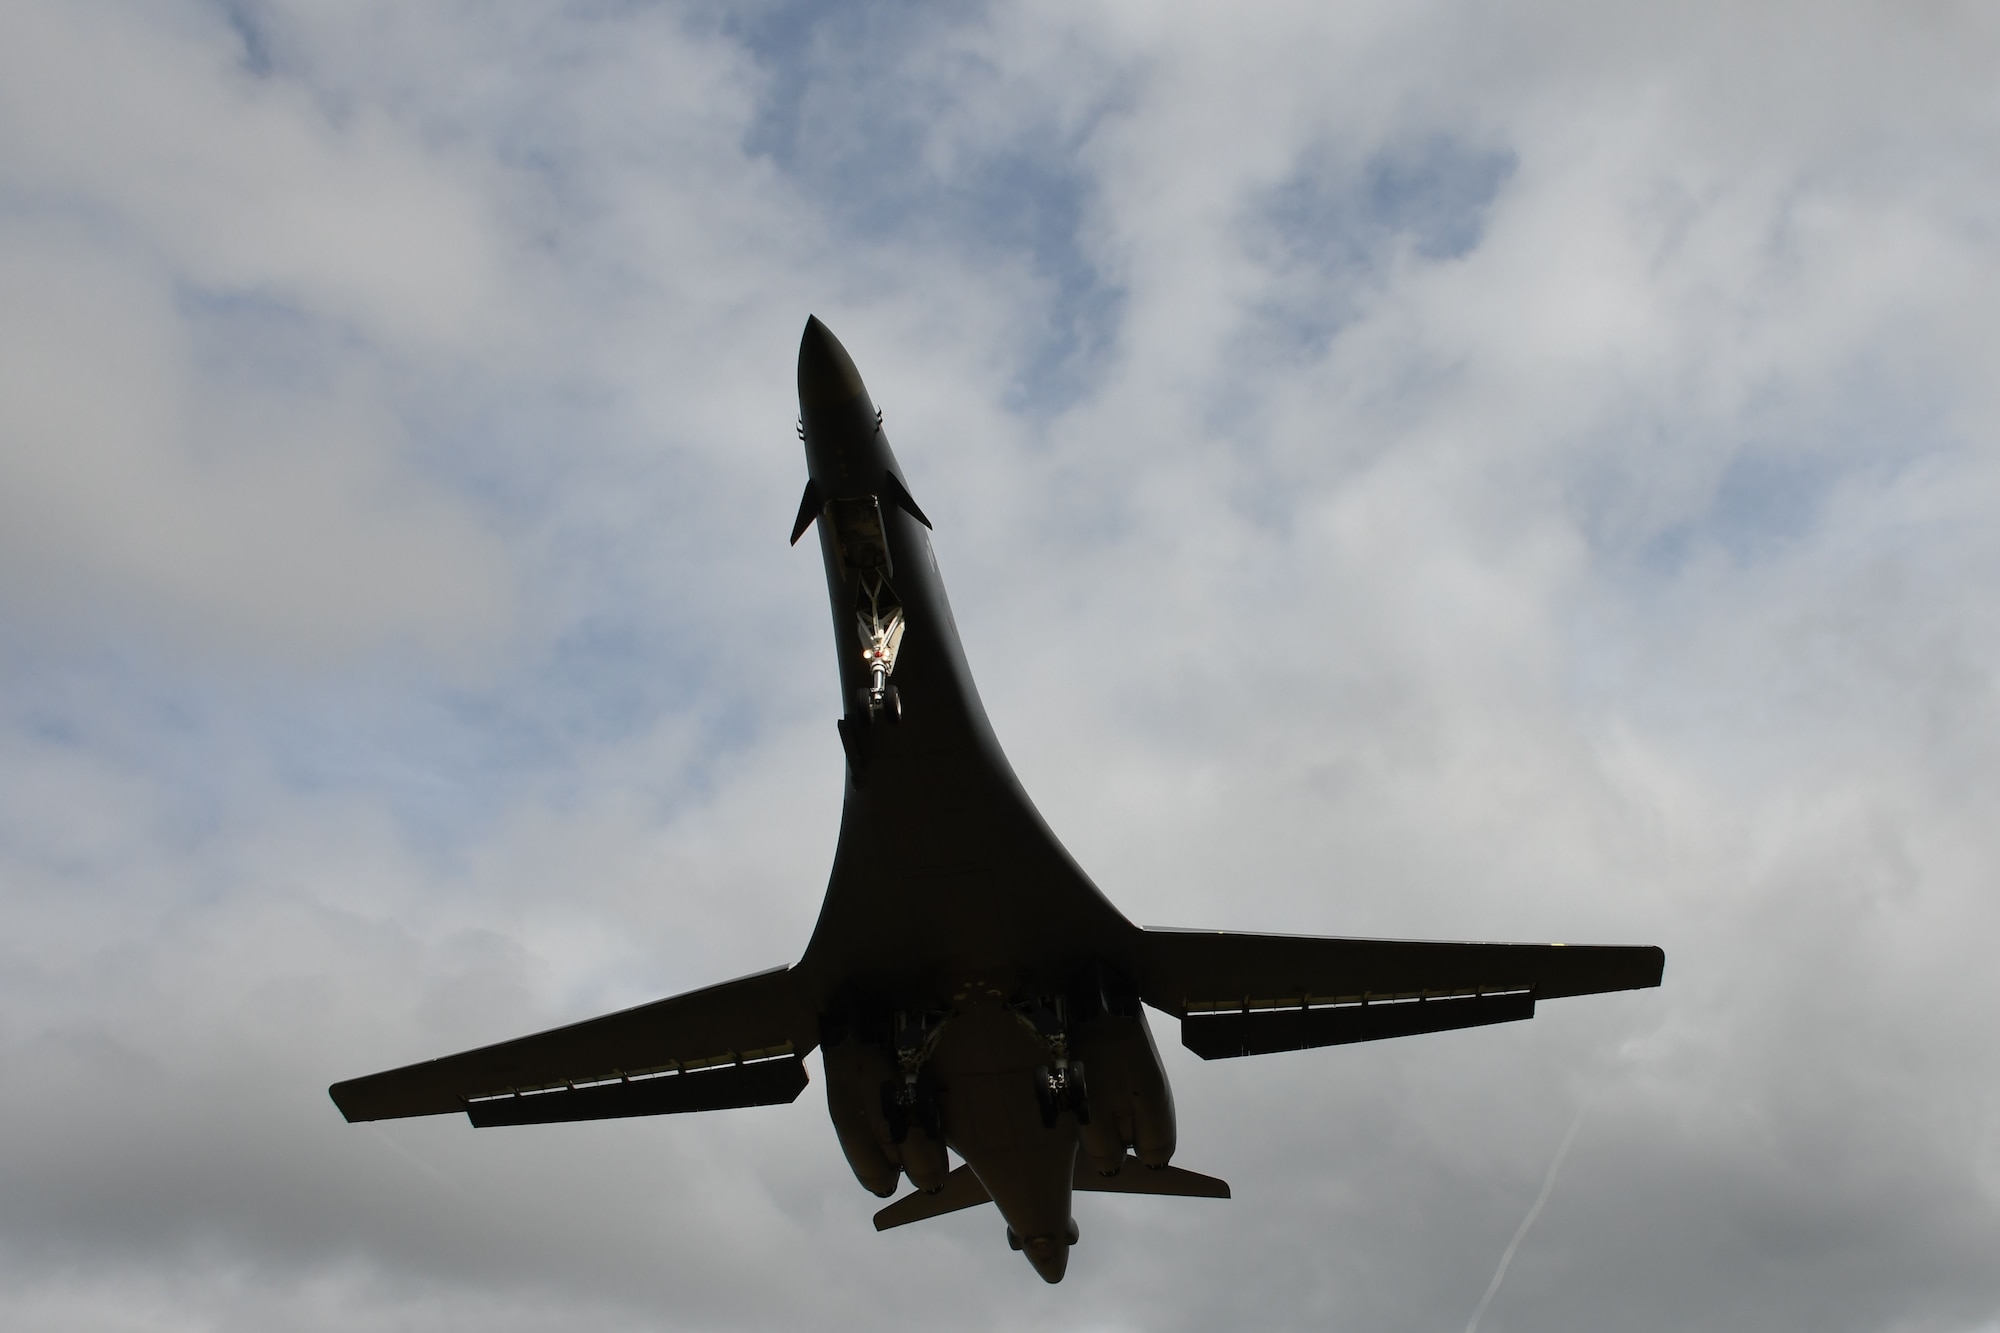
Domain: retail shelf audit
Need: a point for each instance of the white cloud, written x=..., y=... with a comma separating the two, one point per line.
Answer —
x=200, y=274
x=148, y=124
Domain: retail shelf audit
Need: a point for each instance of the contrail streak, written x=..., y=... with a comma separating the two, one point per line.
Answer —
x=1507, y=1256
x=412, y=1159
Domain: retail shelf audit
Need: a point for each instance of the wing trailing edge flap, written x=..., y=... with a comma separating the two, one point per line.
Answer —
x=774, y=1082
x=962, y=1190
x=1242, y=994
x=1229, y=1033
x=721, y=1046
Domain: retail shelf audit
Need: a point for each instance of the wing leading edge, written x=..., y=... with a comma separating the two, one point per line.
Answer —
x=736, y=1044
x=1242, y=994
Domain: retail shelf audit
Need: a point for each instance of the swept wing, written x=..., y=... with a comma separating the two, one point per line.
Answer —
x=736, y=1044
x=1245, y=994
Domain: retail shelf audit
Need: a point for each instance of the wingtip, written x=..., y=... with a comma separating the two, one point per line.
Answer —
x=334, y=1094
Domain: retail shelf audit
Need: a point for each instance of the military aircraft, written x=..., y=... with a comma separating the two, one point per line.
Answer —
x=968, y=987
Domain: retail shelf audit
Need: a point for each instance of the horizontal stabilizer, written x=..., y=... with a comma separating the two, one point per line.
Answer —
x=961, y=1190
x=753, y=1018
x=1133, y=1178
x=764, y=1083
x=1199, y=971
x=1220, y=1036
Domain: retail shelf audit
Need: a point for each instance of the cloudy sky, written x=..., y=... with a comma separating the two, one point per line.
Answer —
x=1522, y=471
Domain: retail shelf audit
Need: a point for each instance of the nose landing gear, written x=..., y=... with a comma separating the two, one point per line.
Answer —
x=879, y=619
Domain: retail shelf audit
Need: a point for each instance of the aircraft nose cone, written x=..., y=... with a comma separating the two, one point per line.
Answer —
x=827, y=377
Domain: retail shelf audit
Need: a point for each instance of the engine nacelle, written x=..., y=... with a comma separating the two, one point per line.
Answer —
x=1130, y=1102
x=915, y=1118
x=887, y=1126
x=855, y=1073
x=924, y=1159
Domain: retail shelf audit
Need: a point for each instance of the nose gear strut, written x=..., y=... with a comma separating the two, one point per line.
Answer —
x=863, y=550
x=879, y=619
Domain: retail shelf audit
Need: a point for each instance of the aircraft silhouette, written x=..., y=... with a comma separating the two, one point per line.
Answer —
x=967, y=984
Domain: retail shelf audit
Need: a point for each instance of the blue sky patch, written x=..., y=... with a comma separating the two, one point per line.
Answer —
x=854, y=95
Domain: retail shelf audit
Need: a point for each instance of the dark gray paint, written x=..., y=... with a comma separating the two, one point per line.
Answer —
x=961, y=953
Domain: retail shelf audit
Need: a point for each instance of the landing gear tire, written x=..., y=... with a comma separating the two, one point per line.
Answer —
x=1079, y=1094
x=889, y=709
x=896, y=1113
x=1069, y=1095
x=906, y=1107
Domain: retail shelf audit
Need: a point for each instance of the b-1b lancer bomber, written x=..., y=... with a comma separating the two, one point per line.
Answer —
x=967, y=985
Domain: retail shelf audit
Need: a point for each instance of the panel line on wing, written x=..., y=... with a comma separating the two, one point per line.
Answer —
x=671, y=1069
x=1252, y=1003
x=763, y=1083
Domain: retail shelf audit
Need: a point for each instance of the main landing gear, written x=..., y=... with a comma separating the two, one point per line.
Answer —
x=910, y=1102
x=1059, y=1084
